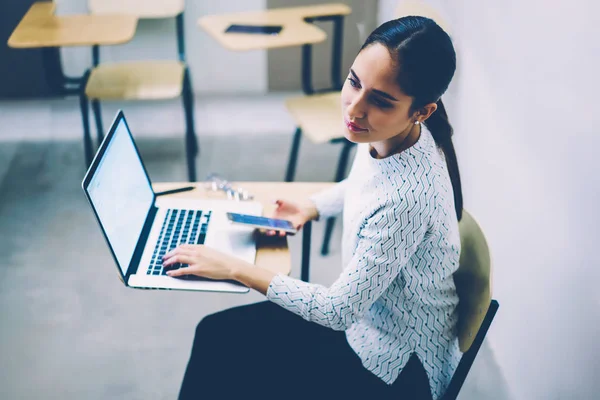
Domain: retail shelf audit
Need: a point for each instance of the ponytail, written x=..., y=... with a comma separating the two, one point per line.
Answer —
x=441, y=130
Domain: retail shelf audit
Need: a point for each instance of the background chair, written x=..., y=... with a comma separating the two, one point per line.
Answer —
x=476, y=308
x=140, y=80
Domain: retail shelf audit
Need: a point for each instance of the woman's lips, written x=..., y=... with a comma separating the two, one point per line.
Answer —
x=354, y=127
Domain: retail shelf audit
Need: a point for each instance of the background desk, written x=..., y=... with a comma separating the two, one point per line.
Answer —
x=40, y=28
x=298, y=30
x=272, y=252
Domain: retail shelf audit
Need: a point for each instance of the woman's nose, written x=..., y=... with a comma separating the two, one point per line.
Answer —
x=355, y=109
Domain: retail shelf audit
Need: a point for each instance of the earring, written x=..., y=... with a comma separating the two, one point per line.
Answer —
x=417, y=122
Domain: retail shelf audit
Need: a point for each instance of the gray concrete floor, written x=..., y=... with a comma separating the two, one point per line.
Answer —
x=69, y=328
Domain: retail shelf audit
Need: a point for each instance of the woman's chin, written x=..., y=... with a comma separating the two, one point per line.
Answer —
x=357, y=137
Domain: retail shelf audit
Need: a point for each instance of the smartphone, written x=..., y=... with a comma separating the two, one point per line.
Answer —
x=255, y=29
x=262, y=222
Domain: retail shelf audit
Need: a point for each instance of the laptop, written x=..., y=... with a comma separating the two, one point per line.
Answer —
x=139, y=228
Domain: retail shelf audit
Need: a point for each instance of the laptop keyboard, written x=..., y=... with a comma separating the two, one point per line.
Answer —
x=179, y=227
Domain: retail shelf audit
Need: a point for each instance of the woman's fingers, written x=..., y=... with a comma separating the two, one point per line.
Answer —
x=271, y=232
x=179, y=272
x=182, y=249
x=178, y=258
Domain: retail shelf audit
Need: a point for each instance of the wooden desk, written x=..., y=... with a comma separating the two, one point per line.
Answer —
x=41, y=28
x=272, y=252
x=298, y=30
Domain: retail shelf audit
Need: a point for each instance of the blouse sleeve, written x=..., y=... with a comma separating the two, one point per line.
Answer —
x=385, y=244
x=330, y=202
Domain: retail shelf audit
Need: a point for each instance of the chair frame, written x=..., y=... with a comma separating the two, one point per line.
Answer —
x=467, y=359
x=192, y=147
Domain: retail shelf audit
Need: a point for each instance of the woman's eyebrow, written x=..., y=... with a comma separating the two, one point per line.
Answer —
x=384, y=94
x=379, y=92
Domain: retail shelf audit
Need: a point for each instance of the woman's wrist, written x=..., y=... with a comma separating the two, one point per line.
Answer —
x=252, y=276
x=310, y=210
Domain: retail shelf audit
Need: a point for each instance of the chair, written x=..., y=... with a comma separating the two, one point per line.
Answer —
x=476, y=308
x=140, y=80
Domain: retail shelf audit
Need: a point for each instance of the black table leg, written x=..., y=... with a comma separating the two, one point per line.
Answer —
x=306, y=237
x=339, y=176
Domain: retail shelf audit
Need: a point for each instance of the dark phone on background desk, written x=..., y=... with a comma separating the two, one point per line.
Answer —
x=255, y=29
x=262, y=222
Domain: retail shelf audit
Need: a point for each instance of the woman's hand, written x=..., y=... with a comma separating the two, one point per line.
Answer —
x=297, y=213
x=209, y=263
x=202, y=261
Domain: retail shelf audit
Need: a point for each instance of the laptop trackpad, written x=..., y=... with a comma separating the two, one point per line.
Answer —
x=238, y=241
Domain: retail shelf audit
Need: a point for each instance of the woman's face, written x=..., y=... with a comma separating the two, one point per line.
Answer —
x=374, y=108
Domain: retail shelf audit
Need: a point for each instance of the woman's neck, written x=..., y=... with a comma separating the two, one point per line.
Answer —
x=396, y=144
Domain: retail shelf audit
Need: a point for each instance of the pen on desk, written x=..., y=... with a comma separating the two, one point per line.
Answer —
x=173, y=191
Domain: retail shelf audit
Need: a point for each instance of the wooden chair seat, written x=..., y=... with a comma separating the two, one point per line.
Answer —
x=138, y=80
x=319, y=116
x=147, y=9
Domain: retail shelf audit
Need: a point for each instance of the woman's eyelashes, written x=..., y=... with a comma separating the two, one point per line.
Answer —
x=380, y=103
x=373, y=99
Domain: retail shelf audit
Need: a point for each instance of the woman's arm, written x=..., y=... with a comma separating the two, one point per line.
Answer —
x=253, y=277
x=386, y=243
x=330, y=202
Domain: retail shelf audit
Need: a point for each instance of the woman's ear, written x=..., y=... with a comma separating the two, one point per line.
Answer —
x=425, y=112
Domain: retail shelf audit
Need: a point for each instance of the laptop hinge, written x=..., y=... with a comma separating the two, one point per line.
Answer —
x=141, y=245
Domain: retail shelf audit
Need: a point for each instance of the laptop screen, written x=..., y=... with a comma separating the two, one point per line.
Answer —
x=121, y=194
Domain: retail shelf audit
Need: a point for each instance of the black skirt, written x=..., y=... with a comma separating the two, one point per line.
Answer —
x=262, y=351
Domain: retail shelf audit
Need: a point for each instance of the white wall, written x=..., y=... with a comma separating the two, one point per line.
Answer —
x=525, y=111
x=213, y=69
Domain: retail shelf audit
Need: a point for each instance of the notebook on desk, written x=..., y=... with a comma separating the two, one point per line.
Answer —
x=139, y=230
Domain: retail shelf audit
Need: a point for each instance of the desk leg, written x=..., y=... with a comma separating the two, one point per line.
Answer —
x=191, y=141
x=307, y=69
x=336, y=52
x=293, y=160
x=339, y=176
x=306, y=237
x=85, y=117
x=336, y=57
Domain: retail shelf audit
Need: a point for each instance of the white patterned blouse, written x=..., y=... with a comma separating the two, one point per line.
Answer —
x=401, y=245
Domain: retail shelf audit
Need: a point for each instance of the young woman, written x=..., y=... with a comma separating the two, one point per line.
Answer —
x=386, y=328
